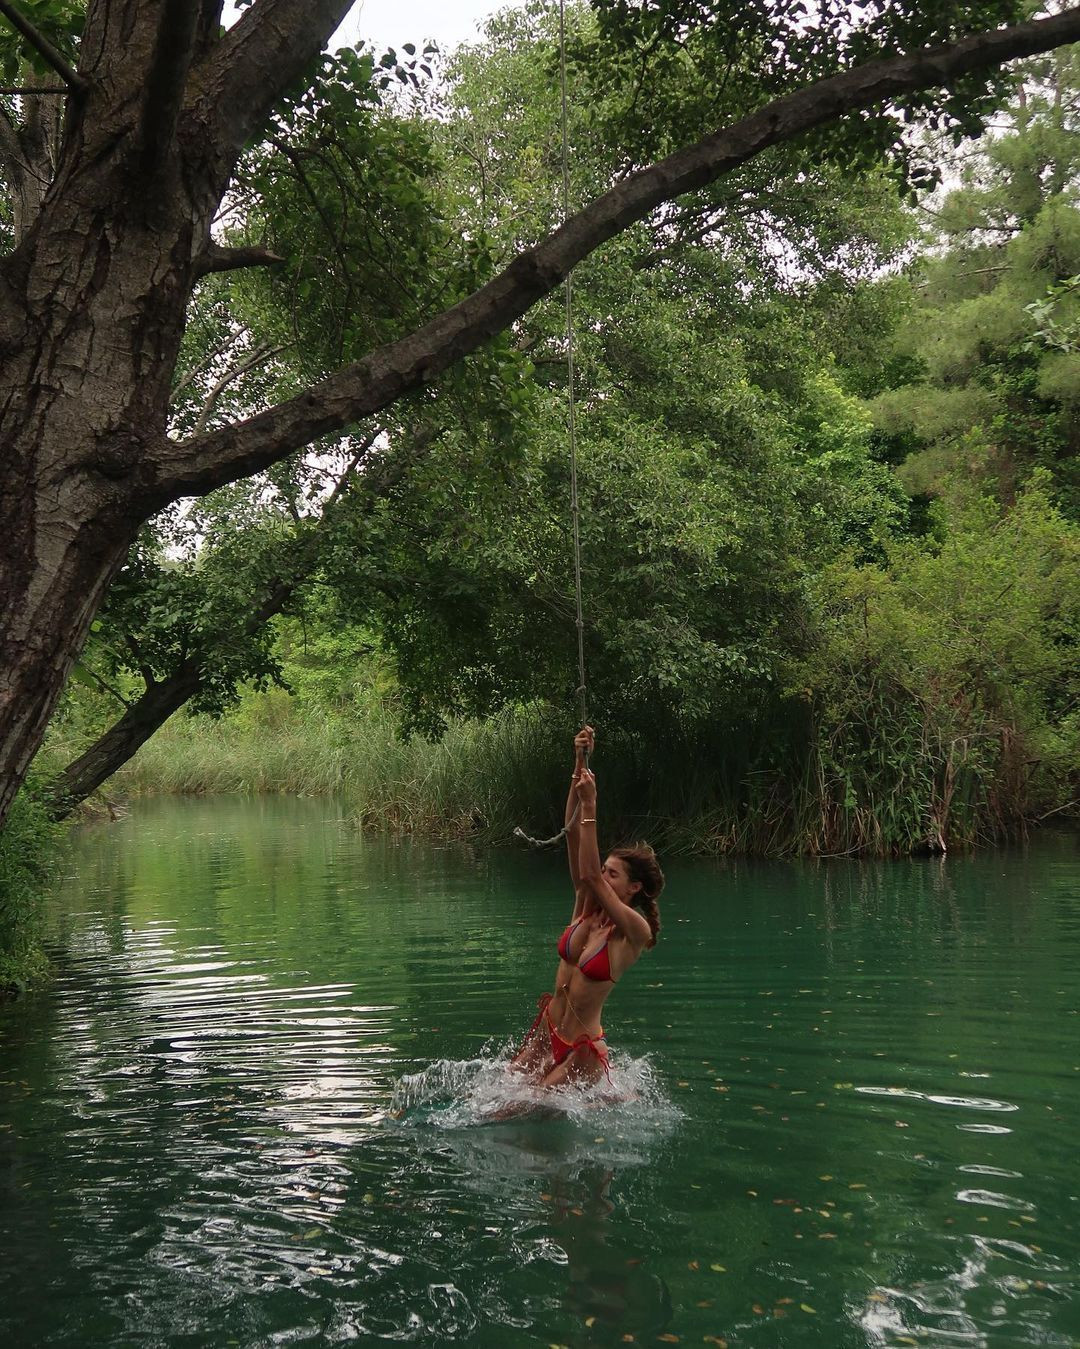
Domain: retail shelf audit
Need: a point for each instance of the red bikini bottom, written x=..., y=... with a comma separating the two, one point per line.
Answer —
x=562, y=1049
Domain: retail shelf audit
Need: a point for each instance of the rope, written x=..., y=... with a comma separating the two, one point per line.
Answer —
x=575, y=512
x=568, y=290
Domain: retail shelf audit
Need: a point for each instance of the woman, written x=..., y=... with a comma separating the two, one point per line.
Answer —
x=615, y=919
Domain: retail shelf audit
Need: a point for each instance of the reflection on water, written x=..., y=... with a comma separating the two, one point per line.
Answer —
x=255, y=1108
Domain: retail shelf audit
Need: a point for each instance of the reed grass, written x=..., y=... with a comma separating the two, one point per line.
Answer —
x=792, y=787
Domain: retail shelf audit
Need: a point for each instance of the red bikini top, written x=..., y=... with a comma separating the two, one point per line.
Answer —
x=597, y=966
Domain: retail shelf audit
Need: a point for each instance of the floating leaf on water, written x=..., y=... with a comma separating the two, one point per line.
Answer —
x=705, y=1302
x=715, y=1339
x=806, y=1307
x=577, y=1212
x=546, y=1198
x=693, y=1264
x=683, y=1084
x=668, y=1338
x=718, y=1269
x=824, y=1177
x=599, y=1140
x=857, y=1185
x=752, y=1193
x=590, y=1321
x=758, y=1309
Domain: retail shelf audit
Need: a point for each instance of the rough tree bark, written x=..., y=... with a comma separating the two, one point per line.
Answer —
x=93, y=297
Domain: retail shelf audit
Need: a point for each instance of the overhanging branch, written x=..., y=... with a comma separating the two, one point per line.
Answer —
x=208, y=461
x=43, y=47
x=218, y=259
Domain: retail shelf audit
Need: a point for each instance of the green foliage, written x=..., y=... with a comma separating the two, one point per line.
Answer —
x=28, y=848
x=986, y=381
x=60, y=21
x=944, y=685
x=682, y=68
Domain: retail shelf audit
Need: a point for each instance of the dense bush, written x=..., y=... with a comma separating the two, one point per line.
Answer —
x=28, y=848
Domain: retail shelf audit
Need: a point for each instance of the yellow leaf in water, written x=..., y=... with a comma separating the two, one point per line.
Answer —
x=718, y=1269
x=824, y=1177
x=715, y=1339
x=590, y=1321
x=805, y=1306
x=599, y=1140
x=858, y=1185
x=668, y=1338
x=693, y=1265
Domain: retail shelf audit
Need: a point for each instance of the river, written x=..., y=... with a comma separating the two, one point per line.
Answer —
x=246, y=1111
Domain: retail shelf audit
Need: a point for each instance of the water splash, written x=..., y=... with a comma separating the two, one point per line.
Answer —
x=460, y=1093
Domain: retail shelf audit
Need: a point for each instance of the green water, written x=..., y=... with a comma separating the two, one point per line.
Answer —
x=858, y=1123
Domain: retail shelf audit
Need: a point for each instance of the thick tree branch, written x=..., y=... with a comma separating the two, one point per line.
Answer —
x=265, y=51
x=218, y=259
x=206, y=462
x=166, y=80
x=43, y=47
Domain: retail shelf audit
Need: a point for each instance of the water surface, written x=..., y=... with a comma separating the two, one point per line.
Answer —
x=858, y=1125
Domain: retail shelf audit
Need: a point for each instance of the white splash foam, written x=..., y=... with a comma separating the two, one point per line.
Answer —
x=460, y=1093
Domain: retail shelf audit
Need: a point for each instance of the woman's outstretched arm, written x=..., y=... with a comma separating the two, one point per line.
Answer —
x=627, y=921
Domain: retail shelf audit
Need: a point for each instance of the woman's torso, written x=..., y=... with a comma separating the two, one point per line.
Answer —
x=592, y=957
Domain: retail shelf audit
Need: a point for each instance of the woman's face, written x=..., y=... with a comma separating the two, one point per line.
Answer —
x=617, y=875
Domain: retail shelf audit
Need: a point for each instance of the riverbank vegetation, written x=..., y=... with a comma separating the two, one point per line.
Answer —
x=28, y=860
x=827, y=418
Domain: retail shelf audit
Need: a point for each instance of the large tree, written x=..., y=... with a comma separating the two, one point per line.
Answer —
x=113, y=208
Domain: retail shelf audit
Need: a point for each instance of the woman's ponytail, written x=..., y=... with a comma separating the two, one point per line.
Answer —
x=643, y=867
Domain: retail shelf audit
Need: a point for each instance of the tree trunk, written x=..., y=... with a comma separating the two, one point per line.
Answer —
x=122, y=740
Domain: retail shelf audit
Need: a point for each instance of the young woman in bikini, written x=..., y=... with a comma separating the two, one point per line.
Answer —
x=615, y=919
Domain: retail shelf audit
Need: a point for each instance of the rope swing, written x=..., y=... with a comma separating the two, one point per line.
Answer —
x=575, y=513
